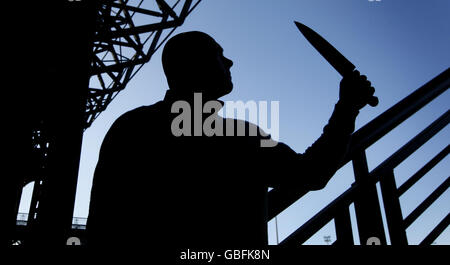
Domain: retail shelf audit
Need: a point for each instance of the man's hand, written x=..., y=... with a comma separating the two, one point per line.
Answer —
x=356, y=91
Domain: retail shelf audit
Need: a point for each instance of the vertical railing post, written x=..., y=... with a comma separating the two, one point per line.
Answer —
x=393, y=210
x=367, y=207
x=342, y=222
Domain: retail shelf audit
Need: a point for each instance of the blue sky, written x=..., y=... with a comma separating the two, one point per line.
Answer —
x=399, y=45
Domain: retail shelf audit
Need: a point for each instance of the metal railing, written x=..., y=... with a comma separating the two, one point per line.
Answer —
x=77, y=222
x=363, y=192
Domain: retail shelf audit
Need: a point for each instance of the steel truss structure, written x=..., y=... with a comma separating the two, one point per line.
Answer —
x=125, y=35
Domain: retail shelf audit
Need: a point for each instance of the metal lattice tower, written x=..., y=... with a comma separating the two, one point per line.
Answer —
x=128, y=34
x=100, y=46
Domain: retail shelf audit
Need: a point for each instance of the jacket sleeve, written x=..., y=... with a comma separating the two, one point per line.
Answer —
x=315, y=167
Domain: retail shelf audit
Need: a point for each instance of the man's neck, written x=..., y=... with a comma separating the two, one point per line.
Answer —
x=172, y=96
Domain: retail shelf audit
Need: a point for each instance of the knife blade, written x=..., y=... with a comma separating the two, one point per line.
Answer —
x=331, y=54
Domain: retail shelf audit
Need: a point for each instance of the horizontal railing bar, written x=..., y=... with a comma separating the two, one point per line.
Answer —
x=410, y=147
x=426, y=203
x=309, y=229
x=436, y=231
x=425, y=169
x=281, y=198
x=319, y=220
x=324, y=216
x=391, y=118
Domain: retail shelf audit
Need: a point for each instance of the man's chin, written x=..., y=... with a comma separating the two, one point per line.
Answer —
x=228, y=88
x=225, y=89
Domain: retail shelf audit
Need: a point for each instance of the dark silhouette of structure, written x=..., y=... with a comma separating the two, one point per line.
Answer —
x=67, y=62
x=204, y=190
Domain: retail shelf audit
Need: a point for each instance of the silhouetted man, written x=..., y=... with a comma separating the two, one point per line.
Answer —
x=153, y=187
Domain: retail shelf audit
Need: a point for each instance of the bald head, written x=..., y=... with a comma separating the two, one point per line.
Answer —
x=194, y=62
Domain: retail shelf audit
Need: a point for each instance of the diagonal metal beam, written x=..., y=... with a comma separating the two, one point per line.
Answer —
x=427, y=202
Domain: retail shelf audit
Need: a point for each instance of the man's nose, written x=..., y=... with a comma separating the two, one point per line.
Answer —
x=228, y=62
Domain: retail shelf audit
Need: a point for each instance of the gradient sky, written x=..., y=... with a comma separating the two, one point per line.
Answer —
x=399, y=45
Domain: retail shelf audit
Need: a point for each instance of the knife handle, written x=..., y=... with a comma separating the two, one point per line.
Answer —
x=373, y=101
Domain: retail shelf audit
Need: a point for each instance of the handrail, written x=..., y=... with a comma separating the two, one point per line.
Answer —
x=421, y=172
x=436, y=231
x=411, y=146
x=314, y=224
x=427, y=202
x=281, y=198
x=345, y=199
x=391, y=118
x=22, y=218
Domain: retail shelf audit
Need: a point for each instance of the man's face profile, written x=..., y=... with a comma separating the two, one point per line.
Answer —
x=194, y=62
x=220, y=72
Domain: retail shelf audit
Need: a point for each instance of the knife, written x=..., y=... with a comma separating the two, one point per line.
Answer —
x=331, y=54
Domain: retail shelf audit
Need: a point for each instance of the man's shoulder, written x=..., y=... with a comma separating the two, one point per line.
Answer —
x=137, y=114
x=136, y=117
x=245, y=128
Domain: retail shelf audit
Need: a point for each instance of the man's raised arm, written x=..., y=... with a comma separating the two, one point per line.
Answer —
x=315, y=167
